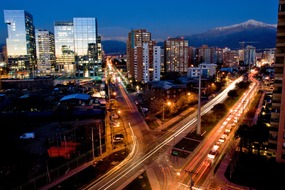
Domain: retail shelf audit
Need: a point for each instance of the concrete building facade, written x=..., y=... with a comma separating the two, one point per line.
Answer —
x=176, y=55
x=45, y=52
x=143, y=56
x=277, y=123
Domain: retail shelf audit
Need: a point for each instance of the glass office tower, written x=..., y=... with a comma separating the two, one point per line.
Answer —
x=21, y=46
x=85, y=36
x=64, y=48
x=76, y=47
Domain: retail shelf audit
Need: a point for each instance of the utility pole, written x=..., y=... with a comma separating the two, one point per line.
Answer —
x=162, y=115
x=100, y=143
x=198, y=130
x=191, y=180
x=92, y=139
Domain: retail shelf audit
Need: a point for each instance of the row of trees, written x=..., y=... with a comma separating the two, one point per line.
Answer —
x=252, y=136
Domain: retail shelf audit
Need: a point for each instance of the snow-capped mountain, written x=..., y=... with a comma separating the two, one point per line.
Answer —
x=229, y=36
x=245, y=25
x=264, y=36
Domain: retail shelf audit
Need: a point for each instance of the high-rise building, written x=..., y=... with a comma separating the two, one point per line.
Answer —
x=192, y=56
x=142, y=56
x=277, y=127
x=78, y=47
x=249, y=56
x=156, y=67
x=147, y=62
x=85, y=40
x=136, y=38
x=21, y=45
x=176, y=55
x=231, y=59
x=64, y=48
x=45, y=52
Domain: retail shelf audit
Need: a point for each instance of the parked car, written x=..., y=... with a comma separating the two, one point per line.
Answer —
x=114, y=116
x=118, y=137
x=115, y=124
x=29, y=135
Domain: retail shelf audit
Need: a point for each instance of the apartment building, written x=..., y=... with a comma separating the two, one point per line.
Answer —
x=277, y=123
x=143, y=56
x=176, y=55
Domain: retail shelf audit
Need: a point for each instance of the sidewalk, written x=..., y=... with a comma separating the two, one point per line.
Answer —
x=222, y=180
x=109, y=150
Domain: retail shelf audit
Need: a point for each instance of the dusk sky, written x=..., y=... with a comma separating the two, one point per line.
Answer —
x=167, y=18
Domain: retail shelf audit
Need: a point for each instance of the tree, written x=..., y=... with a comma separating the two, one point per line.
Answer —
x=242, y=133
x=219, y=110
x=233, y=93
x=260, y=133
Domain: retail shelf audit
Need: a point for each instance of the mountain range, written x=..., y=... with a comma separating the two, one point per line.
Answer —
x=251, y=32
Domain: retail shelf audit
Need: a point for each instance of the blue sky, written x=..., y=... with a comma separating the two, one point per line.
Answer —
x=163, y=18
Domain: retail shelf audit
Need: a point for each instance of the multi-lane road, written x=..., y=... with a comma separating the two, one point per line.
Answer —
x=149, y=150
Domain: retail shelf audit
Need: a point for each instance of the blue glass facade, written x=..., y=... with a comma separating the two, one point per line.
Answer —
x=21, y=46
x=64, y=47
x=76, y=46
x=85, y=36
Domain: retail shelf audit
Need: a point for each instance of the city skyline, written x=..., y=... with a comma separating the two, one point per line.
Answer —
x=115, y=20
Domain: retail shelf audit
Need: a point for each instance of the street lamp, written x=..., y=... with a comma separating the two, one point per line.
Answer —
x=1, y=78
x=198, y=130
x=188, y=98
x=167, y=103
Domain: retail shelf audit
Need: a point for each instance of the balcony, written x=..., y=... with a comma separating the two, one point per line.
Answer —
x=281, y=13
x=280, y=52
x=279, y=65
x=274, y=120
x=274, y=126
x=278, y=82
x=280, y=45
x=281, y=23
x=278, y=75
x=280, y=34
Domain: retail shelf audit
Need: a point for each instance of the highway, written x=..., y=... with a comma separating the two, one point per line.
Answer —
x=199, y=170
x=146, y=148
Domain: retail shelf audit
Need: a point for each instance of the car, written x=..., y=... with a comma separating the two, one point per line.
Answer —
x=212, y=154
x=215, y=147
x=222, y=139
x=114, y=116
x=227, y=130
x=224, y=135
x=118, y=137
x=28, y=135
x=115, y=124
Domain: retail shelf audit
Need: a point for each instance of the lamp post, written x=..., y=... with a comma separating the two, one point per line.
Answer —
x=1, y=78
x=188, y=98
x=168, y=103
x=100, y=139
x=198, y=131
x=191, y=173
x=92, y=139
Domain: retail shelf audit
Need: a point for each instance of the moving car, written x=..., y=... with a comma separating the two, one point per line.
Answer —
x=118, y=137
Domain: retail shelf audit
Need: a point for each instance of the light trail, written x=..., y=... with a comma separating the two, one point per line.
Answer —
x=122, y=170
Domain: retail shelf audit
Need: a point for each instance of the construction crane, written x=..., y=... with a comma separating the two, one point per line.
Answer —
x=243, y=42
